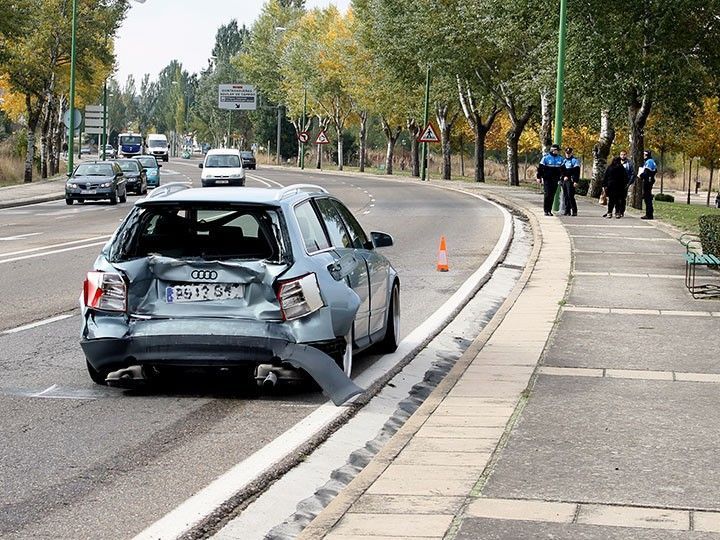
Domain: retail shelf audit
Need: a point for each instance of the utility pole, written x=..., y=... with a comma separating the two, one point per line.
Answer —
x=560, y=86
x=423, y=163
x=302, y=144
x=277, y=158
x=71, y=127
x=103, y=137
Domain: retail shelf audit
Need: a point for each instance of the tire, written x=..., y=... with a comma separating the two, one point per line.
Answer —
x=97, y=377
x=81, y=201
x=124, y=196
x=69, y=202
x=391, y=339
x=144, y=189
x=345, y=361
x=166, y=158
x=114, y=198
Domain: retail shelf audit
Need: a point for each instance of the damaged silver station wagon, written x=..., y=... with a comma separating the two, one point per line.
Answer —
x=278, y=282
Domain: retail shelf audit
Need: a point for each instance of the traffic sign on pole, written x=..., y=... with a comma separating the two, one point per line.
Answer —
x=322, y=138
x=303, y=137
x=235, y=97
x=429, y=135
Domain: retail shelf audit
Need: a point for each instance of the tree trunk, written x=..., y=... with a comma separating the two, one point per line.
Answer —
x=712, y=168
x=340, y=162
x=601, y=151
x=462, y=156
x=414, y=131
x=392, y=137
x=545, y=120
x=322, y=125
x=363, y=138
x=638, y=112
x=33, y=118
x=662, y=168
x=683, y=162
x=445, y=125
x=512, y=139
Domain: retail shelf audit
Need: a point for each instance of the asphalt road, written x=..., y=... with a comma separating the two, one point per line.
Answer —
x=83, y=461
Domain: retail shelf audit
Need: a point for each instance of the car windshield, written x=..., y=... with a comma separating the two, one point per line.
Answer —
x=134, y=140
x=156, y=143
x=223, y=161
x=108, y=147
x=148, y=162
x=247, y=154
x=210, y=231
x=129, y=166
x=94, y=169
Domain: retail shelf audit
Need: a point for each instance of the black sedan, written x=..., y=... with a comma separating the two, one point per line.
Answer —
x=248, y=160
x=96, y=181
x=134, y=174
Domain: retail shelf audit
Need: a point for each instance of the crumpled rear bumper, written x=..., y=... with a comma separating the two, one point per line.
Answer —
x=210, y=343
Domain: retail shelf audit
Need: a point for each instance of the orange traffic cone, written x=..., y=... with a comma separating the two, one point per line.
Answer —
x=442, y=265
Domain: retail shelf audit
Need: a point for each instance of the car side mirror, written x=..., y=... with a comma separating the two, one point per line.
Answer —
x=159, y=166
x=344, y=266
x=381, y=239
x=200, y=165
x=68, y=174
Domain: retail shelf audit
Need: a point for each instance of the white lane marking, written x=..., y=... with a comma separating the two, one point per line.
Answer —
x=49, y=389
x=52, y=246
x=183, y=518
x=37, y=323
x=258, y=177
x=18, y=236
x=366, y=212
x=34, y=255
x=266, y=184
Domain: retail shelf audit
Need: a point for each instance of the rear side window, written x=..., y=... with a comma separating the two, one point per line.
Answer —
x=310, y=228
x=359, y=239
x=339, y=235
x=209, y=232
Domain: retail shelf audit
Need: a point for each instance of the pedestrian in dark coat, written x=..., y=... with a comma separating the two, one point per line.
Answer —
x=548, y=174
x=615, y=182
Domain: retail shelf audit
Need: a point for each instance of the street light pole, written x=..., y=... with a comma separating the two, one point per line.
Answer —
x=560, y=86
x=71, y=127
x=103, y=137
x=278, y=135
x=423, y=164
x=304, y=116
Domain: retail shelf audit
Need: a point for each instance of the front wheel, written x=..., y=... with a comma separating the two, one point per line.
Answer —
x=69, y=202
x=123, y=198
x=114, y=197
x=391, y=340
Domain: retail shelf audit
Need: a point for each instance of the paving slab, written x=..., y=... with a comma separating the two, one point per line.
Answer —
x=400, y=525
x=652, y=342
x=498, y=529
x=614, y=245
x=636, y=293
x=659, y=263
x=616, y=441
x=401, y=504
x=615, y=229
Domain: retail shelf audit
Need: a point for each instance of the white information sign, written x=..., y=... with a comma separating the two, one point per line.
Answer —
x=237, y=97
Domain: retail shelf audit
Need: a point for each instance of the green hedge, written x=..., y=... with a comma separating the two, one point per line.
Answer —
x=709, y=226
x=665, y=197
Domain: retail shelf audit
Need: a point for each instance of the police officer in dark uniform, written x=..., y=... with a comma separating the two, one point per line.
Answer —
x=568, y=181
x=648, y=179
x=549, y=174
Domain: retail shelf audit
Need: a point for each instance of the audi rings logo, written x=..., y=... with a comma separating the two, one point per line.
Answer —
x=204, y=274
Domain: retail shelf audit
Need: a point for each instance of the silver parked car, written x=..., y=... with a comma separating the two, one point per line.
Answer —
x=277, y=281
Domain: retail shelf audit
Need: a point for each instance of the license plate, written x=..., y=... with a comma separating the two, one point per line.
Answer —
x=88, y=191
x=221, y=181
x=202, y=292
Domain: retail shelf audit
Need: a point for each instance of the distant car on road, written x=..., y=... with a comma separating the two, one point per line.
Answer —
x=85, y=150
x=157, y=145
x=268, y=282
x=96, y=181
x=135, y=176
x=152, y=170
x=248, y=159
x=110, y=152
x=222, y=167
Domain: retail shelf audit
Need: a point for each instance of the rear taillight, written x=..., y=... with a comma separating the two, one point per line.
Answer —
x=299, y=297
x=105, y=291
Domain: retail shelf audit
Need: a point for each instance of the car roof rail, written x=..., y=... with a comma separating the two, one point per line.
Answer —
x=168, y=189
x=293, y=189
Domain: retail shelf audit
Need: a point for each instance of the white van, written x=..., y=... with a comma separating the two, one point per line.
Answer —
x=157, y=145
x=222, y=167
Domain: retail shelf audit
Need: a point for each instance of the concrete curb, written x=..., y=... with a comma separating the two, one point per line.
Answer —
x=32, y=200
x=329, y=517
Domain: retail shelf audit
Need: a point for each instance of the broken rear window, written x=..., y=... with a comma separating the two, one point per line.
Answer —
x=210, y=232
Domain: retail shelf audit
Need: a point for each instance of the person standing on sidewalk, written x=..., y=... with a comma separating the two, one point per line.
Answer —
x=549, y=174
x=630, y=170
x=614, y=183
x=647, y=175
x=569, y=180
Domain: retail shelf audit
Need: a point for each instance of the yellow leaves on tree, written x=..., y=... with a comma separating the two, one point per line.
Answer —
x=704, y=139
x=12, y=103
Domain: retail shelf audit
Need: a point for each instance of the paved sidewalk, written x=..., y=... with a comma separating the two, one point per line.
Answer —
x=36, y=192
x=589, y=411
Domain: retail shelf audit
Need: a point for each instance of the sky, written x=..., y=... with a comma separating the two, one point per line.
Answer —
x=158, y=31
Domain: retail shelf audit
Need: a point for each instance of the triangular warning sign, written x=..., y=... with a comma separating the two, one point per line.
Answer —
x=322, y=138
x=429, y=135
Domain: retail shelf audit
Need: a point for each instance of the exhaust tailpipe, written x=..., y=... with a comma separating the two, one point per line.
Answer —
x=270, y=381
x=127, y=377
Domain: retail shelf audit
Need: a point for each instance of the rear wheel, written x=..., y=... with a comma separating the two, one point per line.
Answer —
x=98, y=377
x=390, y=342
x=347, y=359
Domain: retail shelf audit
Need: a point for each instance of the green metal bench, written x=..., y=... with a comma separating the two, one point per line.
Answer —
x=693, y=258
